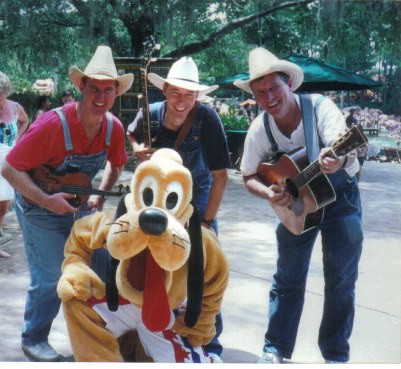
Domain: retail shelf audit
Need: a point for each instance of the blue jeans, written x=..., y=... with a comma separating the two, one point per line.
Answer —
x=342, y=238
x=44, y=234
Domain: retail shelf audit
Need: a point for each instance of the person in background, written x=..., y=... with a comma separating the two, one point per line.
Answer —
x=80, y=137
x=13, y=123
x=207, y=100
x=247, y=106
x=351, y=120
x=43, y=104
x=280, y=129
x=67, y=97
x=361, y=151
x=196, y=132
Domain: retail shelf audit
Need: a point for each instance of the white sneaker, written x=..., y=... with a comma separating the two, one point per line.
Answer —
x=270, y=358
x=40, y=352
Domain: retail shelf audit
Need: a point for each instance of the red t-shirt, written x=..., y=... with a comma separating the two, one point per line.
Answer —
x=43, y=143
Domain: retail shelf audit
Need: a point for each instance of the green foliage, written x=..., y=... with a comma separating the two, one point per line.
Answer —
x=28, y=101
x=42, y=38
x=232, y=119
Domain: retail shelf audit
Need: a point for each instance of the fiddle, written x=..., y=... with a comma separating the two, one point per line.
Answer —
x=78, y=184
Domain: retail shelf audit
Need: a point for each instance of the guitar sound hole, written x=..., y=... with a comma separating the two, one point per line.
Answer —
x=292, y=189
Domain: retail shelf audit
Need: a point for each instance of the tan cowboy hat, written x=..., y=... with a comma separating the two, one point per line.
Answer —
x=183, y=74
x=102, y=67
x=248, y=102
x=263, y=62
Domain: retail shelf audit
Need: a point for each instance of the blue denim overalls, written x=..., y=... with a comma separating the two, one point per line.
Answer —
x=45, y=235
x=342, y=237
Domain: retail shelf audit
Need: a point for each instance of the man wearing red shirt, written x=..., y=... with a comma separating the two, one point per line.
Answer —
x=78, y=137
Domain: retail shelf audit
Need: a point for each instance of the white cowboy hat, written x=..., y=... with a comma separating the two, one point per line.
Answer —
x=183, y=74
x=263, y=62
x=102, y=67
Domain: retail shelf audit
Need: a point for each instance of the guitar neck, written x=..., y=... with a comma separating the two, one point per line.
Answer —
x=307, y=175
x=145, y=110
x=351, y=140
x=311, y=171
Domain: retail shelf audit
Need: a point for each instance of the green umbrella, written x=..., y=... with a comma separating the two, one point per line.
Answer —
x=318, y=76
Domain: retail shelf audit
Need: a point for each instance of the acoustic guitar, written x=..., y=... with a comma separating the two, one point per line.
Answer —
x=308, y=185
x=78, y=184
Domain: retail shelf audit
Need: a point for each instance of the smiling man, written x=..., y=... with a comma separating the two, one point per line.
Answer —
x=191, y=128
x=77, y=138
x=291, y=121
x=196, y=132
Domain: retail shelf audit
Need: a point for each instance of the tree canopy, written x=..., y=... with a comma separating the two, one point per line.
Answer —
x=42, y=38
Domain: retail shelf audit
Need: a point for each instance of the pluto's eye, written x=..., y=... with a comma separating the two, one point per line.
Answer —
x=147, y=196
x=171, y=200
x=148, y=190
x=173, y=197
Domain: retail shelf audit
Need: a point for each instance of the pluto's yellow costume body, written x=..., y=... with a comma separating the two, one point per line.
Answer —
x=163, y=262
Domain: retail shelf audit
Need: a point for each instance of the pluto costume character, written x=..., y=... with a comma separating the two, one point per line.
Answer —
x=166, y=281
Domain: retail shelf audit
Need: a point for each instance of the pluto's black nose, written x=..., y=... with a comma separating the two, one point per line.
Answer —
x=153, y=221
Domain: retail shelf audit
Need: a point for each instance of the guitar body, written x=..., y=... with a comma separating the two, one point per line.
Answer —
x=308, y=208
x=310, y=188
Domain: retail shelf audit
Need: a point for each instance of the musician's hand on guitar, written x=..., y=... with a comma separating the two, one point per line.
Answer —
x=143, y=153
x=279, y=196
x=58, y=204
x=328, y=164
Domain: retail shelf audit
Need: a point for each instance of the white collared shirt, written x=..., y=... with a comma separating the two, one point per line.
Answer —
x=331, y=125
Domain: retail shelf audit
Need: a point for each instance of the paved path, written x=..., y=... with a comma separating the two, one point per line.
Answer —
x=247, y=236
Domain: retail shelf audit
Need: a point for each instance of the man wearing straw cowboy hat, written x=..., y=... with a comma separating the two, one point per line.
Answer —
x=283, y=127
x=79, y=137
x=196, y=132
x=203, y=147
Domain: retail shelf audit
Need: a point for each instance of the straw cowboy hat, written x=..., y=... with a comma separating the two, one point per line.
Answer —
x=263, y=62
x=248, y=102
x=102, y=67
x=183, y=74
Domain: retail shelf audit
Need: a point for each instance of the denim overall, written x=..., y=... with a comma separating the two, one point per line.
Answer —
x=194, y=159
x=342, y=236
x=191, y=153
x=45, y=235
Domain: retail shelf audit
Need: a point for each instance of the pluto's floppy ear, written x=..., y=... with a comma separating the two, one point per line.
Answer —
x=111, y=286
x=195, y=270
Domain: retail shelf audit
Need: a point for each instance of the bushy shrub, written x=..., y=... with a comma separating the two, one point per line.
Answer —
x=232, y=120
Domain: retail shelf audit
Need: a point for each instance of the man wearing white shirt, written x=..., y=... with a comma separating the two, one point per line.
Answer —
x=280, y=129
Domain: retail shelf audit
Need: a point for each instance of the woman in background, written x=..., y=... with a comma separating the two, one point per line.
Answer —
x=13, y=123
x=43, y=105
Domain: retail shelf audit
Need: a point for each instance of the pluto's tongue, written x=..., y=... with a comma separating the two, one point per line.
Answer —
x=156, y=311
